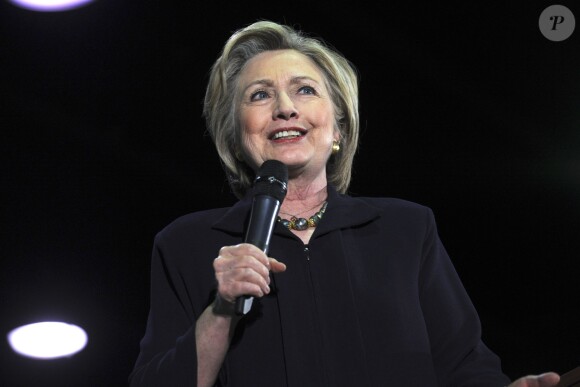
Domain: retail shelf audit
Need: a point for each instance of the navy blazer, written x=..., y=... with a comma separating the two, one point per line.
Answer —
x=372, y=300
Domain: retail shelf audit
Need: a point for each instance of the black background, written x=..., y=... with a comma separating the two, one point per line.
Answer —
x=465, y=107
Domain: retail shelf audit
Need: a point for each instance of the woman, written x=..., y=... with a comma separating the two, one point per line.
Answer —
x=366, y=294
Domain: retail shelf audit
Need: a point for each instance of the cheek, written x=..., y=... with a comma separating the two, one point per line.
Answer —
x=250, y=139
x=253, y=121
x=249, y=144
x=250, y=150
x=322, y=114
x=246, y=122
x=248, y=127
x=325, y=120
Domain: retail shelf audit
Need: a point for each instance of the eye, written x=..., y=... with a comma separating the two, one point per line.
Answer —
x=307, y=90
x=259, y=95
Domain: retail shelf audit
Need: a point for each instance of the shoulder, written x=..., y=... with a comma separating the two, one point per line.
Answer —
x=398, y=215
x=391, y=203
x=393, y=206
x=195, y=223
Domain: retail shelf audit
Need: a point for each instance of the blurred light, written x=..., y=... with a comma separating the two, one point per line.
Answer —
x=47, y=340
x=50, y=5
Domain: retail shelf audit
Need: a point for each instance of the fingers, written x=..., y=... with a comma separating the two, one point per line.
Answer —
x=277, y=266
x=548, y=379
x=243, y=269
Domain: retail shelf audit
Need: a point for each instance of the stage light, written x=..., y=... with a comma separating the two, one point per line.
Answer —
x=47, y=340
x=50, y=5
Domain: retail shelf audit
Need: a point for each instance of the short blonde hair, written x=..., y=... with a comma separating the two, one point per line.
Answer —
x=220, y=110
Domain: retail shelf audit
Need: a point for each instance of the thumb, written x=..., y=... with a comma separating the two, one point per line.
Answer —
x=276, y=266
x=549, y=379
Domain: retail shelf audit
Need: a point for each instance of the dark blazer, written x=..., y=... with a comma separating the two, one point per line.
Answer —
x=372, y=300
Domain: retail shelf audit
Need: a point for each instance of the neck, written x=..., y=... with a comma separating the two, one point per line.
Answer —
x=303, y=195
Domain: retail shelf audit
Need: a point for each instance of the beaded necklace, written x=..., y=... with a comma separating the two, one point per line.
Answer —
x=301, y=224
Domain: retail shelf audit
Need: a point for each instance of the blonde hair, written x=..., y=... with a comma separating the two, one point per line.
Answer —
x=220, y=105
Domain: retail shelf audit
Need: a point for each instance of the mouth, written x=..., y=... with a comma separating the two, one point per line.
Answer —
x=288, y=134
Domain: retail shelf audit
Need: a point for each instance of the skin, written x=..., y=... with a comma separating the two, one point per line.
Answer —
x=280, y=90
x=548, y=379
x=284, y=90
x=240, y=270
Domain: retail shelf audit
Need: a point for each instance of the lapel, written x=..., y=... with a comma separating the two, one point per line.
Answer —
x=342, y=212
x=235, y=219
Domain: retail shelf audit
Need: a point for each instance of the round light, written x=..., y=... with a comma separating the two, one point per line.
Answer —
x=50, y=5
x=47, y=340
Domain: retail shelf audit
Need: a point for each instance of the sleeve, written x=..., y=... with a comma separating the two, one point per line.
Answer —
x=168, y=349
x=459, y=355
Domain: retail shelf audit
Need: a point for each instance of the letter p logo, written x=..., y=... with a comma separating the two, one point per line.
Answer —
x=557, y=20
x=557, y=23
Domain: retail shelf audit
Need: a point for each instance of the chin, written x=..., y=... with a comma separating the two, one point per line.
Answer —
x=293, y=162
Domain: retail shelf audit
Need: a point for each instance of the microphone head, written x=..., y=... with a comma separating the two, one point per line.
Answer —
x=272, y=180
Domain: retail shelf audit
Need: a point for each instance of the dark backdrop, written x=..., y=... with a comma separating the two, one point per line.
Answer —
x=466, y=108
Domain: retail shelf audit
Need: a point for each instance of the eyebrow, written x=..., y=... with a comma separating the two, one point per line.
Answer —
x=270, y=83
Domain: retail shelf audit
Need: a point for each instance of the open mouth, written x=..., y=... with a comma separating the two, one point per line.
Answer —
x=287, y=134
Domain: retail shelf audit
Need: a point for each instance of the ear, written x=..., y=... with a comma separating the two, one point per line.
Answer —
x=239, y=155
x=336, y=134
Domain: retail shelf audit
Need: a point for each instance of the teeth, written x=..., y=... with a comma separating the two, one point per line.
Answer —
x=286, y=133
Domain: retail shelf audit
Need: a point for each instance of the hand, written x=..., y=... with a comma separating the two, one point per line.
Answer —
x=242, y=270
x=548, y=379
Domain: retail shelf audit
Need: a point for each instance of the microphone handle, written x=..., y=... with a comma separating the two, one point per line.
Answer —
x=260, y=227
x=241, y=305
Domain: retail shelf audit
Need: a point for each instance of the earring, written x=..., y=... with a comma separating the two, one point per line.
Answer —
x=335, y=147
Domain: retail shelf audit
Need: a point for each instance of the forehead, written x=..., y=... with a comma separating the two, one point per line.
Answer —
x=280, y=64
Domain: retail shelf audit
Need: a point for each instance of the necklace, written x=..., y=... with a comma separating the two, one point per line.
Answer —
x=301, y=224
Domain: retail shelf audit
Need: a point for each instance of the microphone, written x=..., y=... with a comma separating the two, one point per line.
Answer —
x=270, y=187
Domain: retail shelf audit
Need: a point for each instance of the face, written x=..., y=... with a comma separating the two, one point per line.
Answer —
x=286, y=112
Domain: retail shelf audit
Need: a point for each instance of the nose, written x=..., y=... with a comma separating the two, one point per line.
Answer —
x=285, y=108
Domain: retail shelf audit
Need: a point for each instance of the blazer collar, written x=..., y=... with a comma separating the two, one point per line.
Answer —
x=342, y=212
